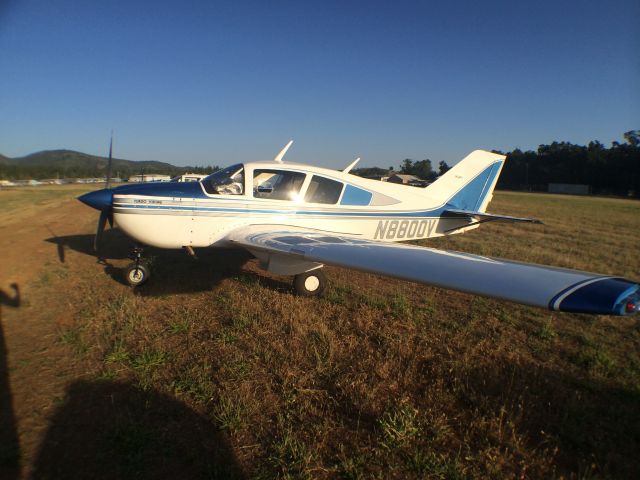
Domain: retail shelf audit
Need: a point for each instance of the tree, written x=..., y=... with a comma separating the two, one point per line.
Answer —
x=632, y=137
x=421, y=168
x=370, y=172
x=443, y=167
x=407, y=166
x=424, y=170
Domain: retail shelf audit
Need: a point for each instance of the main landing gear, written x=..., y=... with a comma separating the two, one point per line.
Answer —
x=310, y=284
x=138, y=271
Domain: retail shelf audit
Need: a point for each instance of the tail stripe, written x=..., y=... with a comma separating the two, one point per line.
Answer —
x=472, y=195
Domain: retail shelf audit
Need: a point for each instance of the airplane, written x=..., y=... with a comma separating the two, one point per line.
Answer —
x=295, y=218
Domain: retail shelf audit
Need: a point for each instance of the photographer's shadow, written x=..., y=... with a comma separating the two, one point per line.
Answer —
x=110, y=430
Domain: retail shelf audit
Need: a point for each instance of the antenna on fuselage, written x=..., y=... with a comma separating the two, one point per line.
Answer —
x=282, y=152
x=348, y=168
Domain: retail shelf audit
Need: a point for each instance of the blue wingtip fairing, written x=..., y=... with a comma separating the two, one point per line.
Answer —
x=605, y=296
x=100, y=199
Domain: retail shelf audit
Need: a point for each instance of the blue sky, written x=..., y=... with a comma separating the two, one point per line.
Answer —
x=210, y=83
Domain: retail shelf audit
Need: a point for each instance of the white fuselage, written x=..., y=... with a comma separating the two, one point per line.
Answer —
x=200, y=219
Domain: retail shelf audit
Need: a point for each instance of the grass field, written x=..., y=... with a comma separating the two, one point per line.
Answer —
x=215, y=370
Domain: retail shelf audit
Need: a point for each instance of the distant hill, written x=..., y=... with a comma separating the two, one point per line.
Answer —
x=71, y=164
x=71, y=159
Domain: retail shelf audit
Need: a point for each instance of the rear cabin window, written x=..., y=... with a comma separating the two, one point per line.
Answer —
x=356, y=196
x=323, y=190
x=277, y=184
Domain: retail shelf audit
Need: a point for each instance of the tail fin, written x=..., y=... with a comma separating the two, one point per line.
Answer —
x=469, y=184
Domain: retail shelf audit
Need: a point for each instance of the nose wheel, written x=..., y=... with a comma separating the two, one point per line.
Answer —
x=137, y=272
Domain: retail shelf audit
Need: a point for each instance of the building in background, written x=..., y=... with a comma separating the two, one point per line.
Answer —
x=410, y=180
x=569, y=188
x=149, y=178
x=188, y=177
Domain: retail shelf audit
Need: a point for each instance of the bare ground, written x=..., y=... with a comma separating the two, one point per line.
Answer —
x=39, y=366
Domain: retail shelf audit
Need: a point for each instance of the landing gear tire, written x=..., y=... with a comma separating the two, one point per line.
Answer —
x=136, y=275
x=310, y=284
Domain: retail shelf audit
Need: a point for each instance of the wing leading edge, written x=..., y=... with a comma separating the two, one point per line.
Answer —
x=536, y=285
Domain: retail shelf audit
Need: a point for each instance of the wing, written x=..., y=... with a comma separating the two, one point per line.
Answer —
x=529, y=284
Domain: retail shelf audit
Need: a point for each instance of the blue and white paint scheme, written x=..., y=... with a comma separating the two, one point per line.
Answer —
x=296, y=218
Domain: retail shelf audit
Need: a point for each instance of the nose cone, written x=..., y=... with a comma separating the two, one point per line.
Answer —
x=100, y=199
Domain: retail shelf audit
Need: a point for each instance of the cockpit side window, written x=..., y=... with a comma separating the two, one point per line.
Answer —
x=323, y=190
x=277, y=184
x=229, y=181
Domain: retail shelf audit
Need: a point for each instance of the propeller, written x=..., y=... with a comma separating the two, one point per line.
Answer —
x=108, y=182
x=106, y=212
x=102, y=221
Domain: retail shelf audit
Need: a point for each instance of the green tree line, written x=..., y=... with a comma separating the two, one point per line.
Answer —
x=608, y=171
x=421, y=168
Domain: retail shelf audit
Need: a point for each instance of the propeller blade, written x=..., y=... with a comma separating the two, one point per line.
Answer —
x=108, y=185
x=110, y=218
x=102, y=221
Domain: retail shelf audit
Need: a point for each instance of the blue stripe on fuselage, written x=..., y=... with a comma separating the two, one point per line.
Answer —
x=382, y=214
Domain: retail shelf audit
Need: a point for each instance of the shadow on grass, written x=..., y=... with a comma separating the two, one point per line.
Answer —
x=9, y=444
x=114, y=245
x=172, y=271
x=594, y=424
x=12, y=300
x=108, y=430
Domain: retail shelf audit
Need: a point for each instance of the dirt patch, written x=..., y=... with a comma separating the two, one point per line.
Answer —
x=37, y=366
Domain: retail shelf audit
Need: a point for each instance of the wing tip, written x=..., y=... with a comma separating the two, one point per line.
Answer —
x=601, y=295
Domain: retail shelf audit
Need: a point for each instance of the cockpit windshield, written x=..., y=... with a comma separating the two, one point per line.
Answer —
x=229, y=181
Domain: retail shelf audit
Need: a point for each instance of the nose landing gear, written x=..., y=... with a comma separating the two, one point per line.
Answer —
x=138, y=271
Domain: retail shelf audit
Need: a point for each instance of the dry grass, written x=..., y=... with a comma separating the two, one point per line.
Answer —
x=378, y=379
x=18, y=203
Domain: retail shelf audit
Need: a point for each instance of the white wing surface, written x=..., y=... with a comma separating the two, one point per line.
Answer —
x=529, y=284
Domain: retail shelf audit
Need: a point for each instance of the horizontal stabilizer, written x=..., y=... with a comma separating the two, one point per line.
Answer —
x=484, y=216
x=476, y=218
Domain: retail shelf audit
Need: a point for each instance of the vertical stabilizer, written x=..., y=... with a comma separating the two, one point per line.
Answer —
x=469, y=184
